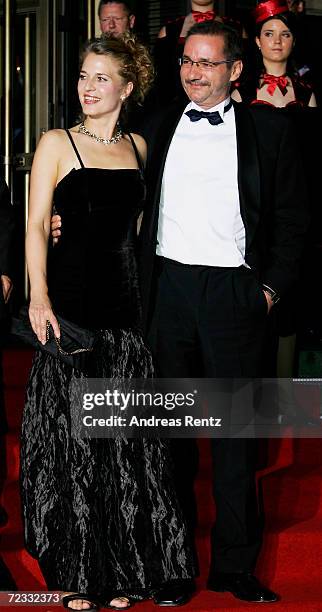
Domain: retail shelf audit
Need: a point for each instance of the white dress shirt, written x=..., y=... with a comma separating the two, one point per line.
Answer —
x=200, y=221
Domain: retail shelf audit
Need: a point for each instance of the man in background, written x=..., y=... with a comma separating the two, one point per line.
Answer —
x=115, y=17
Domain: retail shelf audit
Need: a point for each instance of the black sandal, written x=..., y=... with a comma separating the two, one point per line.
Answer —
x=95, y=606
x=122, y=598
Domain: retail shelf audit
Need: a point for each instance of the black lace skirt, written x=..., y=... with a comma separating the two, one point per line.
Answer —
x=100, y=515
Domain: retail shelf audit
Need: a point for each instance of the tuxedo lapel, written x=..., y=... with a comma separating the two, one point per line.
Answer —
x=248, y=171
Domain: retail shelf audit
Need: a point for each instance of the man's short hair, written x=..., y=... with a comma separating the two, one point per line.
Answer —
x=232, y=42
x=127, y=6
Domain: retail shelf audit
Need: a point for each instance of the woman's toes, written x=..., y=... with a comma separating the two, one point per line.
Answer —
x=79, y=604
x=120, y=602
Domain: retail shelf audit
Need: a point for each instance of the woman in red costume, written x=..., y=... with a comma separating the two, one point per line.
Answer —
x=169, y=48
x=201, y=10
x=275, y=81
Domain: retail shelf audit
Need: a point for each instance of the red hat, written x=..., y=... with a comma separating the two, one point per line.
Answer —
x=264, y=10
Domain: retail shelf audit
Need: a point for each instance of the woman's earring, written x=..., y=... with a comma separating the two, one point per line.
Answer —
x=123, y=97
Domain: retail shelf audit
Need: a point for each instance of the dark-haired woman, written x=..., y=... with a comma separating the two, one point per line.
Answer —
x=275, y=81
x=100, y=515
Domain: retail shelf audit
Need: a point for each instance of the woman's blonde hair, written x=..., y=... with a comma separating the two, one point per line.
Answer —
x=133, y=57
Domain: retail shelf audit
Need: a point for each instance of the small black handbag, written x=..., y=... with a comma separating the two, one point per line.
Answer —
x=74, y=341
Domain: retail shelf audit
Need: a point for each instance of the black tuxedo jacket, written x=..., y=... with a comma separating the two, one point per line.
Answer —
x=6, y=232
x=271, y=186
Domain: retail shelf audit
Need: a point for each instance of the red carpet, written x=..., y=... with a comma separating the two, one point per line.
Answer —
x=291, y=481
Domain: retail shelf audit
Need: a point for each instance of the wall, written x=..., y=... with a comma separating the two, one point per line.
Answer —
x=314, y=7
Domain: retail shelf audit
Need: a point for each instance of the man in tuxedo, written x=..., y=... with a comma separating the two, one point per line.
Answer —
x=221, y=238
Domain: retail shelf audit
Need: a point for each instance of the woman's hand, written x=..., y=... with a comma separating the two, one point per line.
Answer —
x=55, y=225
x=40, y=311
x=6, y=284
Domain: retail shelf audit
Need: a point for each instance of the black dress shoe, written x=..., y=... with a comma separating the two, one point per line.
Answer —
x=243, y=586
x=174, y=595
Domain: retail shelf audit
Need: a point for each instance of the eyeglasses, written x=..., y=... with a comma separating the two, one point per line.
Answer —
x=205, y=64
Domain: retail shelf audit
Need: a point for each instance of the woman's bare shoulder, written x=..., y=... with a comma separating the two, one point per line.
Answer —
x=53, y=135
x=53, y=140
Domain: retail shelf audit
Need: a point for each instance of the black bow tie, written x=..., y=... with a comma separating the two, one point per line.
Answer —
x=214, y=118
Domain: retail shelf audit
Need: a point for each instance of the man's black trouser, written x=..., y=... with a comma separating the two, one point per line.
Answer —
x=210, y=322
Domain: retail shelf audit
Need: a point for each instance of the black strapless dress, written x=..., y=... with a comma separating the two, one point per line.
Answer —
x=100, y=515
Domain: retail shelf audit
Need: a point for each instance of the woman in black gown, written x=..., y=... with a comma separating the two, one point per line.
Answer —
x=101, y=516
